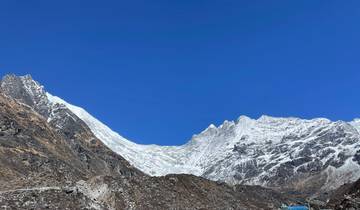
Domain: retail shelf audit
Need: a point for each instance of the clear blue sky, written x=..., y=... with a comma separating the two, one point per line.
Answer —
x=161, y=71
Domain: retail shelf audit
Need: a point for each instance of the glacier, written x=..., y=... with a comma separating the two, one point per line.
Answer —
x=249, y=151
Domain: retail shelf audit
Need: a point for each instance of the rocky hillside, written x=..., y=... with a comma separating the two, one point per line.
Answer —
x=50, y=159
x=346, y=197
x=36, y=148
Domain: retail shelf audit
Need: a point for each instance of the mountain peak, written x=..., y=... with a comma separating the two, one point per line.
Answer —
x=12, y=77
x=27, y=91
x=26, y=83
x=267, y=118
x=242, y=117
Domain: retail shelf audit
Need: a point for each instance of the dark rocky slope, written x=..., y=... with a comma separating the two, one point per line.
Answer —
x=346, y=197
x=47, y=166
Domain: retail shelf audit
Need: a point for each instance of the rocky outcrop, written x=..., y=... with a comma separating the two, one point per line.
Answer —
x=33, y=152
x=347, y=197
x=93, y=154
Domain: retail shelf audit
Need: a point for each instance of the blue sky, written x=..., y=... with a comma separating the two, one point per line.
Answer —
x=161, y=71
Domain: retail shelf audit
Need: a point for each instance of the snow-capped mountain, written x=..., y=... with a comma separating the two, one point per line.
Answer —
x=53, y=160
x=288, y=152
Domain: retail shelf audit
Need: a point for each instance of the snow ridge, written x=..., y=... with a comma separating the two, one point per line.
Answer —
x=251, y=151
x=268, y=151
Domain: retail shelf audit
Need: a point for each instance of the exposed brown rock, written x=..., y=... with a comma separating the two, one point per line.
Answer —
x=346, y=197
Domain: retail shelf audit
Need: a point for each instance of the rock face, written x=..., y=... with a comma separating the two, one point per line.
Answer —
x=50, y=159
x=72, y=141
x=27, y=91
x=346, y=197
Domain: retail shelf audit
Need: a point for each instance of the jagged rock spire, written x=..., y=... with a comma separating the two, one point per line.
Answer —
x=27, y=91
